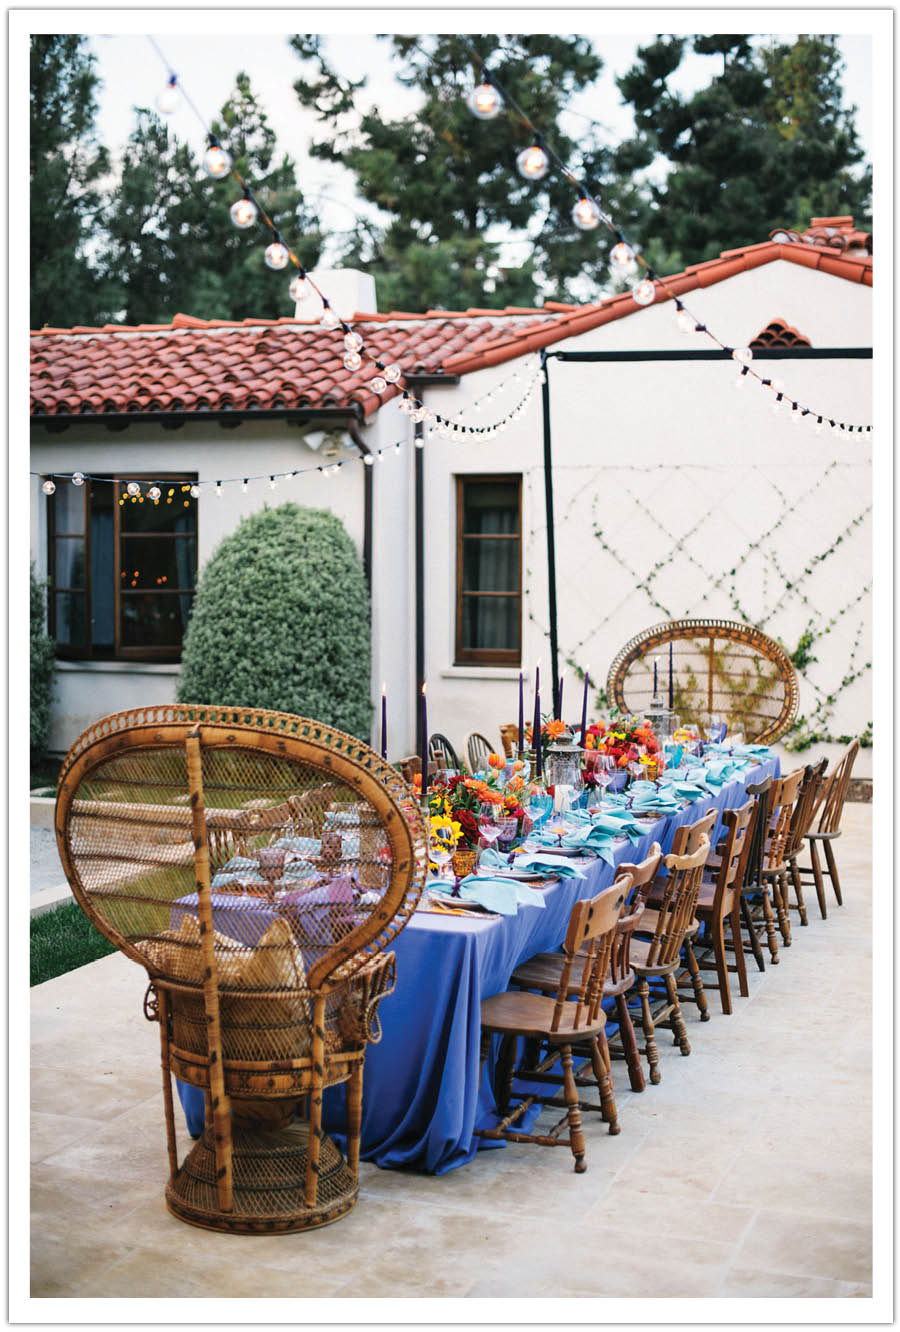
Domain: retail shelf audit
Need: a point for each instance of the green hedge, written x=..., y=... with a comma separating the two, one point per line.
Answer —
x=281, y=620
x=43, y=664
x=62, y=940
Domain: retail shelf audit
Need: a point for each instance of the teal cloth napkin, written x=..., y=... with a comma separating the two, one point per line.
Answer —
x=546, y=866
x=689, y=790
x=501, y=895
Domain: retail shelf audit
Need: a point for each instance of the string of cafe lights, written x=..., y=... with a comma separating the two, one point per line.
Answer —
x=486, y=101
x=245, y=212
x=136, y=491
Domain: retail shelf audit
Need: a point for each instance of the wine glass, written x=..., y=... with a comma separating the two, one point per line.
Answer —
x=538, y=806
x=441, y=845
x=490, y=819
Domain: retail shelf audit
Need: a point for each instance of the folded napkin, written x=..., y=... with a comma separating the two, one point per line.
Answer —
x=549, y=867
x=751, y=749
x=688, y=790
x=720, y=771
x=501, y=895
x=615, y=823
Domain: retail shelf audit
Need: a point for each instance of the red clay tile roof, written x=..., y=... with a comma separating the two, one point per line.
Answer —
x=196, y=365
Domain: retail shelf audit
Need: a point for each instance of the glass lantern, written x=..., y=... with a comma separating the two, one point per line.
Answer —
x=563, y=770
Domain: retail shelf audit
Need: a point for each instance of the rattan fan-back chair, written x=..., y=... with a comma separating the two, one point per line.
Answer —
x=257, y=864
x=719, y=667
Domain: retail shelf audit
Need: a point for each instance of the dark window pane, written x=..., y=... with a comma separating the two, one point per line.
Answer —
x=153, y=619
x=175, y=511
x=69, y=571
x=491, y=506
x=490, y=566
x=103, y=569
x=157, y=562
x=490, y=624
x=68, y=510
x=70, y=619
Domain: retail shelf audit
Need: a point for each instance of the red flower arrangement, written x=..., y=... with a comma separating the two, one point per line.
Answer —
x=622, y=739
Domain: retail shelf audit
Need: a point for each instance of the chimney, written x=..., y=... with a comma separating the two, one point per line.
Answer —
x=349, y=292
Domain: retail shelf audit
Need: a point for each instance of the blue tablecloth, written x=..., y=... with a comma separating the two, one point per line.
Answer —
x=423, y=1093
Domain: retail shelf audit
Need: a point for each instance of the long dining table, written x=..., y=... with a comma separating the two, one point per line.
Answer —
x=425, y=1091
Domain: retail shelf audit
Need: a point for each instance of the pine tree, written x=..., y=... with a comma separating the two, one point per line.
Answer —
x=170, y=243
x=447, y=180
x=67, y=164
x=767, y=142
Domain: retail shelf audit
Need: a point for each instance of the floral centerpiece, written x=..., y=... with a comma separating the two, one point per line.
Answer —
x=459, y=800
x=625, y=740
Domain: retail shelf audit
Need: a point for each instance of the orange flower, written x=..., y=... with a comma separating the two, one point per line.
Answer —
x=555, y=728
x=496, y=761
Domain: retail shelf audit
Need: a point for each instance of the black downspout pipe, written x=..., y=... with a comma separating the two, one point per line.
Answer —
x=353, y=432
x=419, y=465
x=551, y=534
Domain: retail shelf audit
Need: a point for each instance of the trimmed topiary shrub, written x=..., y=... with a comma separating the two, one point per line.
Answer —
x=281, y=620
x=43, y=664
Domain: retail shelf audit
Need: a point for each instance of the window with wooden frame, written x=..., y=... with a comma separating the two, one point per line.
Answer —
x=122, y=569
x=488, y=570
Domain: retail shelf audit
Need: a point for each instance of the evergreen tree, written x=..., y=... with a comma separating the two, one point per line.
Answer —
x=171, y=245
x=766, y=143
x=66, y=166
x=447, y=180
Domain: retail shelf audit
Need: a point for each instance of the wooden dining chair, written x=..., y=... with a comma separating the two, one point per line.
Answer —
x=785, y=792
x=442, y=753
x=756, y=904
x=543, y=971
x=478, y=750
x=719, y=900
x=828, y=827
x=656, y=953
x=554, y=1024
x=509, y=738
x=801, y=821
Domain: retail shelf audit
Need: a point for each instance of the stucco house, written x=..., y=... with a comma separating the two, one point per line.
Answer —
x=676, y=490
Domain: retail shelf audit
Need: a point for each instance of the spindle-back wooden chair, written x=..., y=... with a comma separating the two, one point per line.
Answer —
x=266, y=948
x=828, y=827
x=720, y=901
x=756, y=904
x=558, y=1023
x=478, y=751
x=657, y=952
x=807, y=800
x=442, y=753
x=784, y=795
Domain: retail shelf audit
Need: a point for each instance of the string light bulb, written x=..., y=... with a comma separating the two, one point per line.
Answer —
x=273, y=484
x=532, y=162
x=277, y=254
x=368, y=460
x=243, y=213
x=743, y=377
x=485, y=101
x=329, y=319
x=169, y=99
x=378, y=384
x=78, y=478
x=742, y=354
x=133, y=489
x=352, y=361
x=622, y=256
x=299, y=288
x=392, y=373
x=218, y=490
x=195, y=491
x=353, y=341
x=586, y=214
x=216, y=161
x=644, y=292
x=244, y=486
x=154, y=493
x=49, y=486
x=686, y=321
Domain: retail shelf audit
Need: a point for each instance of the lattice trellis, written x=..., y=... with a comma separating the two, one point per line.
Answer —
x=784, y=548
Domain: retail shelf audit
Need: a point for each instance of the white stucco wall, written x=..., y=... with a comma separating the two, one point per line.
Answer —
x=703, y=451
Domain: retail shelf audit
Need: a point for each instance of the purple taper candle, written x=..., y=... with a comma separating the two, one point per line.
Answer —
x=562, y=680
x=584, y=709
x=521, y=712
x=538, y=744
x=536, y=724
x=384, y=719
x=655, y=682
x=671, y=682
x=424, y=744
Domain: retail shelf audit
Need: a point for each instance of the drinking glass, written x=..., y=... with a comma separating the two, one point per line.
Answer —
x=490, y=819
x=440, y=847
x=538, y=806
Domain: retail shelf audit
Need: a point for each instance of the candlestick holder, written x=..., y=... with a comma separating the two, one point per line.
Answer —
x=660, y=718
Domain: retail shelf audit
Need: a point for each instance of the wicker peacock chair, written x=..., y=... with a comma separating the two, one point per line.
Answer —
x=718, y=667
x=257, y=864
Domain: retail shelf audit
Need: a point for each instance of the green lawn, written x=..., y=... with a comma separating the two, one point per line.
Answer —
x=62, y=940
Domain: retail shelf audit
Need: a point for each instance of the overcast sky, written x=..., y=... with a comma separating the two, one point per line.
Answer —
x=133, y=74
